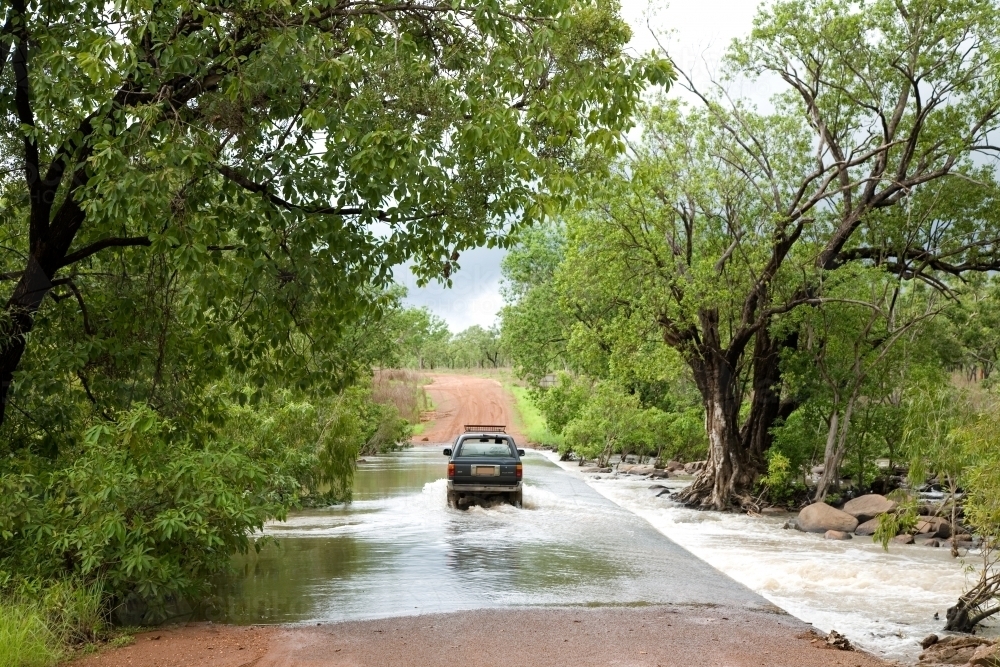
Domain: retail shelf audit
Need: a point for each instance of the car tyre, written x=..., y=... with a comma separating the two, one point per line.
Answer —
x=516, y=499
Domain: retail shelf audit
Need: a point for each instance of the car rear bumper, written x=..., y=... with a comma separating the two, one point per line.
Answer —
x=483, y=488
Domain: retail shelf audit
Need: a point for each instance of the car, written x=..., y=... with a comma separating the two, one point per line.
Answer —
x=484, y=464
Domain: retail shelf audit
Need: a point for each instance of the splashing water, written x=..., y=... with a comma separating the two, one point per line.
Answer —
x=882, y=601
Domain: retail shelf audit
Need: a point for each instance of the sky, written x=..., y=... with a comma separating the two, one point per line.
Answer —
x=696, y=33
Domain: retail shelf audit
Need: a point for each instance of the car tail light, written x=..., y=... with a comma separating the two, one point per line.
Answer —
x=451, y=470
x=518, y=471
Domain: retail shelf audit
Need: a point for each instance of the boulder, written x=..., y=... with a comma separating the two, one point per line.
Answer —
x=934, y=526
x=928, y=641
x=660, y=474
x=638, y=470
x=866, y=508
x=867, y=528
x=674, y=466
x=837, y=535
x=820, y=517
x=595, y=469
x=656, y=486
x=933, y=542
x=987, y=655
x=773, y=511
x=903, y=539
x=952, y=650
x=664, y=492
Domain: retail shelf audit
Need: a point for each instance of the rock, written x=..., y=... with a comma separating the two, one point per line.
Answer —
x=866, y=508
x=638, y=470
x=818, y=470
x=693, y=467
x=836, y=535
x=772, y=511
x=903, y=539
x=952, y=650
x=790, y=525
x=674, y=466
x=660, y=474
x=987, y=655
x=657, y=486
x=933, y=542
x=664, y=492
x=839, y=641
x=934, y=526
x=867, y=528
x=928, y=641
x=820, y=517
x=595, y=469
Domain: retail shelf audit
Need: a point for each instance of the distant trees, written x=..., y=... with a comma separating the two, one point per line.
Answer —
x=424, y=342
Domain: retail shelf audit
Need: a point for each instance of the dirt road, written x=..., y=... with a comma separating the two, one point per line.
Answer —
x=465, y=399
x=659, y=636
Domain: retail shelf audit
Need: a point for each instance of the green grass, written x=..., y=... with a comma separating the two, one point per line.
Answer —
x=25, y=637
x=531, y=421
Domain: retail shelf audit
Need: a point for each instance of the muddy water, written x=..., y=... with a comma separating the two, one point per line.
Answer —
x=399, y=550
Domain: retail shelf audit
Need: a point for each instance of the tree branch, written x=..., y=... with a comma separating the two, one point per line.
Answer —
x=98, y=246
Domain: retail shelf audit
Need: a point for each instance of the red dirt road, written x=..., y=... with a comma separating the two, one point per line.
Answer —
x=466, y=399
x=661, y=636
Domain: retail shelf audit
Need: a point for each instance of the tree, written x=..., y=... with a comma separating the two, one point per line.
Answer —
x=722, y=220
x=308, y=147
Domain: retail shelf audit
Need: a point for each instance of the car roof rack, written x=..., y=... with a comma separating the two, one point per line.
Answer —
x=485, y=428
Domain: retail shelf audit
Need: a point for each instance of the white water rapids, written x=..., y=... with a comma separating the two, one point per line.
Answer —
x=883, y=602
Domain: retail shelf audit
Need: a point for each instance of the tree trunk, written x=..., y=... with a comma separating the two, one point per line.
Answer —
x=19, y=314
x=735, y=455
x=836, y=447
x=728, y=472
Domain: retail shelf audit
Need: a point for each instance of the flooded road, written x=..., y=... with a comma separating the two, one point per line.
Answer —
x=399, y=550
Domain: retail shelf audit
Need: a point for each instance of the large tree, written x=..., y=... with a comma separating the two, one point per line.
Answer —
x=724, y=219
x=307, y=146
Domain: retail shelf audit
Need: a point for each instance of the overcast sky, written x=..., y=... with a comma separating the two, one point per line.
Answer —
x=696, y=32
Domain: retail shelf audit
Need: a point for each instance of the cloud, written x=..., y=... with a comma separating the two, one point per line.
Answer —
x=474, y=297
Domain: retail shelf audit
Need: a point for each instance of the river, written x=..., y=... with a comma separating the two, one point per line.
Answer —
x=399, y=550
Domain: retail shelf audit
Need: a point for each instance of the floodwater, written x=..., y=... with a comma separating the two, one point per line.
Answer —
x=399, y=550
x=884, y=602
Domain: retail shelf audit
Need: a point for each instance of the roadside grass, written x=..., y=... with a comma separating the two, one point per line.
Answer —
x=42, y=624
x=26, y=640
x=531, y=421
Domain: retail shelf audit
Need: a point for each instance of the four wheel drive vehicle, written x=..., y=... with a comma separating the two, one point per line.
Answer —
x=484, y=464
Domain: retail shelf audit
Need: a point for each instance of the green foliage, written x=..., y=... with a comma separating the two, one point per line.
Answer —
x=563, y=402
x=143, y=508
x=782, y=480
x=533, y=423
x=899, y=522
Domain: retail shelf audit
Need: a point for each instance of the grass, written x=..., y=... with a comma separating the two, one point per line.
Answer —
x=26, y=640
x=42, y=624
x=530, y=420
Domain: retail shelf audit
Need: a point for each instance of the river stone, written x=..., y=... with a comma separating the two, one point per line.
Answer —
x=866, y=508
x=836, y=535
x=903, y=539
x=934, y=526
x=820, y=517
x=952, y=650
x=986, y=656
x=867, y=528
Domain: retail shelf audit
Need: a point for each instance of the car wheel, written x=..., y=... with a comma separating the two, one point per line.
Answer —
x=452, y=499
x=516, y=499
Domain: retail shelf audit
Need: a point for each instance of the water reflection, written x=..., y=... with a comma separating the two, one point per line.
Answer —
x=398, y=549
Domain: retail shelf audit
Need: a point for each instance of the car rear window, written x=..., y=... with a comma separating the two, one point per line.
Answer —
x=484, y=447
